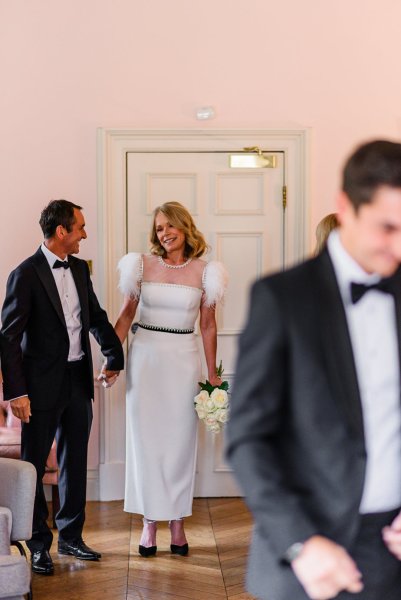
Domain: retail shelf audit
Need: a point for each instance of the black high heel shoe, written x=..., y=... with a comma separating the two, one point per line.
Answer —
x=175, y=549
x=146, y=552
x=181, y=550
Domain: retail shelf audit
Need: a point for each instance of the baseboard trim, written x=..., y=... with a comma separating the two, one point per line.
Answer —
x=111, y=481
x=92, y=486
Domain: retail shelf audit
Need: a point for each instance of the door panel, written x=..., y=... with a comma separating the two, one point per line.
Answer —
x=240, y=212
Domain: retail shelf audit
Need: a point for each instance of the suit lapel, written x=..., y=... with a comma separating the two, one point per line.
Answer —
x=45, y=275
x=397, y=300
x=337, y=346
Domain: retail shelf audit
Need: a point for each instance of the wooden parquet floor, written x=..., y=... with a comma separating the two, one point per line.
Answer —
x=218, y=534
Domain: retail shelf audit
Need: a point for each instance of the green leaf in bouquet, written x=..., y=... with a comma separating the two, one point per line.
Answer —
x=220, y=370
x=224, y=386
x=206, y=386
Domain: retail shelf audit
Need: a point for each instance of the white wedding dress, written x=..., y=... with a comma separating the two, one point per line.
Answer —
x=163, y=371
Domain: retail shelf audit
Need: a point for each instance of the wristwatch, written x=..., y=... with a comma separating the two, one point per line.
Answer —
x=293, y=552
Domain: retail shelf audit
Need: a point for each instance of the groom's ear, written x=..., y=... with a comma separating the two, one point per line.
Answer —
x=343, y=207
x=60, y=232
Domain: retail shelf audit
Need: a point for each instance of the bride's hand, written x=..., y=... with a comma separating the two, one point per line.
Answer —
x=215, y=380
x=107, y=377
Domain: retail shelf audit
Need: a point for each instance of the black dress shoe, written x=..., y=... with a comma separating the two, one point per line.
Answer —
x=79, y=549
x=181, y=550
x=42, y=562
x=147, y=551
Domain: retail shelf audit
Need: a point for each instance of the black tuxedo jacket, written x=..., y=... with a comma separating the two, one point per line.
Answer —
x=295, y=436
x=34, y=338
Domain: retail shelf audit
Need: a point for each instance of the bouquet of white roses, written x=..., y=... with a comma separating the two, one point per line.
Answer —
x=211, y=404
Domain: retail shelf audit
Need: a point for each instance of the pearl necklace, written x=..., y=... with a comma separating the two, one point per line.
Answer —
x=167, y=266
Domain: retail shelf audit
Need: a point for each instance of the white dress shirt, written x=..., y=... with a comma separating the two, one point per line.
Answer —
x=373, y=331
x=70, y=302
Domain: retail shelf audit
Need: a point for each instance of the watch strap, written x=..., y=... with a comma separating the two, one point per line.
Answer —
x=293, y=552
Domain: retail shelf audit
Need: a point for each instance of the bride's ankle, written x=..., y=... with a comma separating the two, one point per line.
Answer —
x=148, y=537
x=177, y=532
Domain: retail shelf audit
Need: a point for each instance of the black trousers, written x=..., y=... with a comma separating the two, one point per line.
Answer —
x=70, y=422
x=381, y=571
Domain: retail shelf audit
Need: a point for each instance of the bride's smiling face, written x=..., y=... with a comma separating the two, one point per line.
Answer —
x=171, y=238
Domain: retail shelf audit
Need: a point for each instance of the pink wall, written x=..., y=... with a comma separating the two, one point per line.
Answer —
x=70, y=67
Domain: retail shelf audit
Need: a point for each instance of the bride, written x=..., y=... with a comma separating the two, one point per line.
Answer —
x=167, y=290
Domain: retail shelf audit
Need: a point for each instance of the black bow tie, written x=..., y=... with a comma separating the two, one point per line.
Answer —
x=359, y=289
x=61, y=263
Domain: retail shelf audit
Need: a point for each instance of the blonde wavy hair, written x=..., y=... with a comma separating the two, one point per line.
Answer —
x=179, y=217
x=323, y=230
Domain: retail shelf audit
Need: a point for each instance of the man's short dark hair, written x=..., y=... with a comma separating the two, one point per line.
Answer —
x=371, y=166
x=57, y=212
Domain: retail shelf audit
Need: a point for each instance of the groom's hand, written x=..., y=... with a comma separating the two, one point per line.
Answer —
x=21, y=408
x=392, y=537
x=108, y=377
x=325, y=568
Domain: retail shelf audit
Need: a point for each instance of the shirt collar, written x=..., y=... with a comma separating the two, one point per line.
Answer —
x=346, y=268
x=49, y=255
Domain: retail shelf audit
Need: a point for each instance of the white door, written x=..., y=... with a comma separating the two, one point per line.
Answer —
x=241, y=213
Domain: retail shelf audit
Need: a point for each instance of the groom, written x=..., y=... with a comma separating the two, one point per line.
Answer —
x=315, y=429
x=49, y=310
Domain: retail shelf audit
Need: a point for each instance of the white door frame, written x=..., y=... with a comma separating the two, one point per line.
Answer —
x=113, y=145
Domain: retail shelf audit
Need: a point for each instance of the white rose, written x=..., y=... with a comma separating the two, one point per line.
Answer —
x=201, y=411
x=210, y=405
x=213, y=427
x=222, y=415
x=219, y=397
x=202, y=397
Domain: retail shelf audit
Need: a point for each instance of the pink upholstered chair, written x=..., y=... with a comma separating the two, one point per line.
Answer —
x=10, y=447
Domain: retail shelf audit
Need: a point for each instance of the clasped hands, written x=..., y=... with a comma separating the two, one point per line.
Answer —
x=107, y=377
x=21, y=407
x=325, y=568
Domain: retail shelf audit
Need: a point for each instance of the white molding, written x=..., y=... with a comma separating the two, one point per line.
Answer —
x=220, y=177
x=111, y=481
x=219, y=465
x=113, y=144
x=92, y=484
x=219, y=237
x=192, y=177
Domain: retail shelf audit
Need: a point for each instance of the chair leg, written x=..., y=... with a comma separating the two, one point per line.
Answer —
x=20, y=547
x=55, y=504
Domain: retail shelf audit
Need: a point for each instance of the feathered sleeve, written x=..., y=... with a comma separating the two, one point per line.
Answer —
x=215, y=280
x=130, y=267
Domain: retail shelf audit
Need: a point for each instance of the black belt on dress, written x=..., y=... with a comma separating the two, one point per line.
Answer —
x=162, y=329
